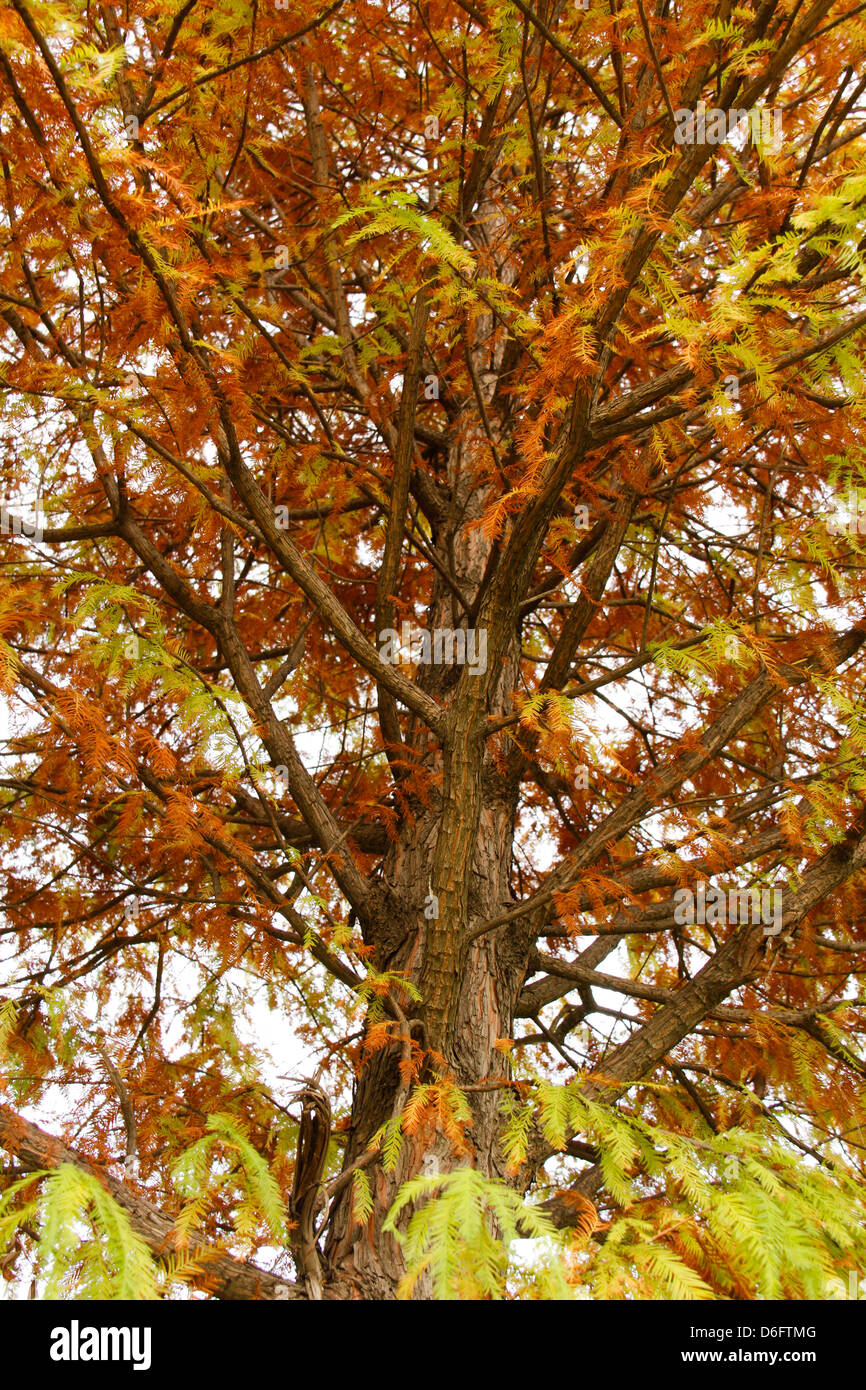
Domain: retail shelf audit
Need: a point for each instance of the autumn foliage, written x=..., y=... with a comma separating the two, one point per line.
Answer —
x=323, y=322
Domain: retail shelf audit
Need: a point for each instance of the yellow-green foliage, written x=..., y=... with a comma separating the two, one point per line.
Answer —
x=196, y=1174
x=741, y=1215
x=87, y=1247
x=459, y=1235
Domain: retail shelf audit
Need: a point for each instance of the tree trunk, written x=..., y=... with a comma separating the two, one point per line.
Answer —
x=456, y=845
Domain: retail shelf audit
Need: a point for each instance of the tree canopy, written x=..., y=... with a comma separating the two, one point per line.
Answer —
x=432, y=644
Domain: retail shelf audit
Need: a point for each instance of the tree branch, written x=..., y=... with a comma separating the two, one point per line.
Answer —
x=221, y=1275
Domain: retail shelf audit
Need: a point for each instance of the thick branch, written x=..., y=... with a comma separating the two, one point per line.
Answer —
x=737, y=962
x=222, y=1275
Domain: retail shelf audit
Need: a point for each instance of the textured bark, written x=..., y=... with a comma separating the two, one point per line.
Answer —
x=457, y=846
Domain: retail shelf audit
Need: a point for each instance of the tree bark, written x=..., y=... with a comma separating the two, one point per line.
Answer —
x=453, y=854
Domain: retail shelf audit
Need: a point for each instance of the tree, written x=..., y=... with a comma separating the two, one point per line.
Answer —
x=432, y=438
